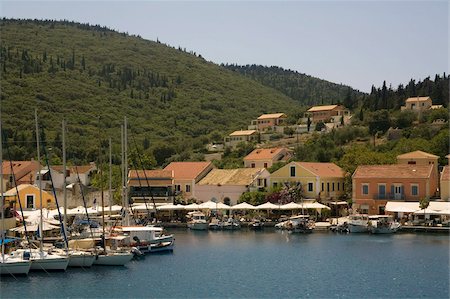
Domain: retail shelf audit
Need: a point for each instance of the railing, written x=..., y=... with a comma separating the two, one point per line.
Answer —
x=389, y=196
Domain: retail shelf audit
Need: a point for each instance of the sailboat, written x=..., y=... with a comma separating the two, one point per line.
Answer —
x=8, y=264
x=109, y=257
x=41, y=260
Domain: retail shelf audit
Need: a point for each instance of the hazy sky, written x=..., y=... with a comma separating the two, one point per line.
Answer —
x=358, y=43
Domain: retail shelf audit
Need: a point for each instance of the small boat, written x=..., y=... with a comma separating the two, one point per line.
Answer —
x=231, y=224
x=300, y=224
x=147, y=239
x=257, y=224
x=382, y=224
x=77, y=258
x=197, y=221
x=112, y=258
x=215, y=224
x=358, y=223
x=43, y=261
x=14, y=265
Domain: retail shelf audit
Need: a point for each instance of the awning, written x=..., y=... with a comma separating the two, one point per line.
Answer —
x=426, y=211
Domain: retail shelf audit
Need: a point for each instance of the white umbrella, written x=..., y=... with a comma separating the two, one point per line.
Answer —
x=170, y=207
x=316, y=205
x=210, y=205
x=291, y=206
x=268, y=206
x=192, y=206
x=243, y=206
x=426, y=211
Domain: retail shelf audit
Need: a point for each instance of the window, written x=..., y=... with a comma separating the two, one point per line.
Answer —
x=323, y=186
x=328, y=187
x=188, y=188
x=253, y=165
x=30, y=201
x=178, y=188
x=381, y=191
x=338, y=186
x=414, y=190
x=332, y=187
x=310, y=187
x=292, y=171
x=412, y=162
x=365, y=189
x=265, y=165
x=275, y=184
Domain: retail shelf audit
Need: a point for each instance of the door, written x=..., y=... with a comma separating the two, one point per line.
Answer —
x=381, y=191
x=398, y=192
x=30, y=201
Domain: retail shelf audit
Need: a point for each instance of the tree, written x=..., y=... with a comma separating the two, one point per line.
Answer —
x=161, y=152
x=405, y=119
x=361, y=114
x=319, y=126
x=379, y=122
x=288, y=131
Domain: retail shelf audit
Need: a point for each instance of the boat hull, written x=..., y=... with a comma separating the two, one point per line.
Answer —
x=81, y=260
x=357, y=228
x=113, y=259
x=14, y=267
x=49, y=263
x=198, y=226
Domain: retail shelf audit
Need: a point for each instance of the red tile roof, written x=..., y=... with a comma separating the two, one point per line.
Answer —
x=393, y=171
x=417, y=155
x=417, y=99
x=445, y=175
x=187, y=170
x=272, y=116
x=22, y=169
x=243, y=133
x=264, y=153
x=322, y=108
x=330, y=170
x=142, y=174
x=75, y=169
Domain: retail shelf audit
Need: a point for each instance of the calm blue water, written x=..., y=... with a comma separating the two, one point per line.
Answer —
x=268, y=264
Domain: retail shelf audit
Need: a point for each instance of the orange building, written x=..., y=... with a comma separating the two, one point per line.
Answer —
x=266, y=157
x=326, y=113
x=266, y=121
x=148, y=185
x=374, y=185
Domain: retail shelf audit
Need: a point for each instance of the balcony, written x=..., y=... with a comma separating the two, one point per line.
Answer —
x=389, y=196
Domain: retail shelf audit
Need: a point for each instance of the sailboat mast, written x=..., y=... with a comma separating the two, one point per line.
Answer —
x=125, y=157
x=2, y=228
x=123, y=173
x=103, y=208
x=64, y=172
x=110, y=179
x=41, y=223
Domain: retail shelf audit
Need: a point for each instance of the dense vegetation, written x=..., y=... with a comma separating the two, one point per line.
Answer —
x=92, y=76
x=303, y=88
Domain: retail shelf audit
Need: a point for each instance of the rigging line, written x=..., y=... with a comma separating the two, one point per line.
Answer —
x=145, y=175
x=140, y=185
x=18, y=195
x=85, y=205
x=63, y=229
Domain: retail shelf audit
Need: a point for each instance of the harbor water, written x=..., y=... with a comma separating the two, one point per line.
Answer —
x=263, y=264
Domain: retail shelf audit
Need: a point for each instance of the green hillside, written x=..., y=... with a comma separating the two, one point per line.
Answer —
x=94, y=77
x=305, y=89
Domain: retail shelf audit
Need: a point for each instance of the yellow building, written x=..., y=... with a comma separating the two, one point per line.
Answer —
x=29, y=197
x=319, y=180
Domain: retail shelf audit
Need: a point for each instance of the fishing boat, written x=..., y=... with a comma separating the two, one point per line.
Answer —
x=382, y=224
x=231, y=224
x=299, y=224
x=215, y=224
x=197, y=221
x=147, y=239
x=256, y=224
x=358, y=223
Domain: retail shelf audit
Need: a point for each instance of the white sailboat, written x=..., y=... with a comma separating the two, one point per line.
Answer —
x=105, y=257
x=41, y=260
x=8, y=264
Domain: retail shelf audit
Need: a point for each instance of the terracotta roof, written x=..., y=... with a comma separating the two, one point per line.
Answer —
x=417, y=155
x=264, y=153
x=445, y=175
x=270, y=116
x=417, y=99
x=322, y=108
x=244, y=132
x=142, y=174
x=75, y=169
x=329, y=170
x=187, y=170
x=22, y=169
x=393, y=171
x=240, y=176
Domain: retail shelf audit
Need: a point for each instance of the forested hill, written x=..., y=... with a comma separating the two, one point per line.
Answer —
x=93, y=77
x=307, y=90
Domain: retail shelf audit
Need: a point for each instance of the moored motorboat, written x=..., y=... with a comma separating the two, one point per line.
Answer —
x=197, y=221
x=231, y=224
x=358, y=223
x=382, y=224
x=257, y=224
x=299, y=224
x=146, y=239
x=214, y=224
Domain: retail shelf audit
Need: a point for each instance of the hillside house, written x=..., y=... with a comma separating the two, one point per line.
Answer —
x=148, y=185
x=241, y=136
x=419, y=158
x=227, y=185
x=419, y=104
x=268, y=121
x=266, y=157
x=324, y=181
x=186, y=175
x=24, y=173
x=374, y=185
x=327, y=114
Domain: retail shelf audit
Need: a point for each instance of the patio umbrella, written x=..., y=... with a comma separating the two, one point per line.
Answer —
x=170, y=207
x=268, y=206
x=291, y=206
x=210, y=205
x=191, y=207
x=243, y=206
